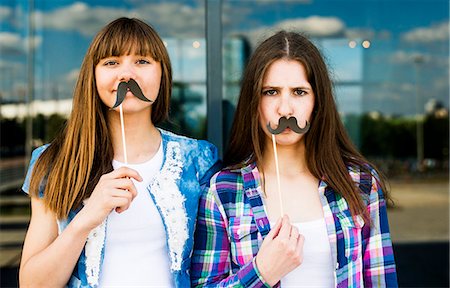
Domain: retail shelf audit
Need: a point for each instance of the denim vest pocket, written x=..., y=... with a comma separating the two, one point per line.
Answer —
x=352, y=231
x=244, y=239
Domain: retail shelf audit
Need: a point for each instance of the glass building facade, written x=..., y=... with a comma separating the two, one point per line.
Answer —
x=389, y=60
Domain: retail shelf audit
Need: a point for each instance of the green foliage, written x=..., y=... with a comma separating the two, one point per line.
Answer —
x=396, y=137
x=436, y=134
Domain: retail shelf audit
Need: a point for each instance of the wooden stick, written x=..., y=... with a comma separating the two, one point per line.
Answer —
x=274, y=142
x=124, y=143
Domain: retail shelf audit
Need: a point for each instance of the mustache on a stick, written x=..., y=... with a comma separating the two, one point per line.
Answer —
x=123, y=88
x=291, y=123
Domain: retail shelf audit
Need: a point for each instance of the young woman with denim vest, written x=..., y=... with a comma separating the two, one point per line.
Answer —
x=327, y=225
x=102, y=214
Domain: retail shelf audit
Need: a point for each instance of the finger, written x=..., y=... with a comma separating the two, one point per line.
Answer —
x=294, y=231
x=275, y=230
x=125, y=184
x=300, y=243
x=121, y=209
x=120, y=193
x=121, y=203
x=285, y=230
x=124, y=172
x=294, y=236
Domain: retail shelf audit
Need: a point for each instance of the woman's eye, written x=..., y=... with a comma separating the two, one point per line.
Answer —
x=300, y=92
x=270, y=92
x=143, y=61
x=110, y=63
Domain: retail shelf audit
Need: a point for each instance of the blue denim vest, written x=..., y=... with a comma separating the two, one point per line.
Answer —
x=187, y=166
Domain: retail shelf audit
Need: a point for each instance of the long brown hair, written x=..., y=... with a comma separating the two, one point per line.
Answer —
x=72, y=165
x=329, y=150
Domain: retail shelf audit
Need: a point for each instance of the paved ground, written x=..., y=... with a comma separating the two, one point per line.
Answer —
x=421, y=212
x=420, y=232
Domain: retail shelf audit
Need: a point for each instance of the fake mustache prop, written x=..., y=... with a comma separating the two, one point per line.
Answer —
x=284, y=123
x=291, y=123
x=123, y=88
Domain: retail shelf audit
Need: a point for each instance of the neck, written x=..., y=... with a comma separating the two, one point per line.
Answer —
x=142, y=138
x=291, y=159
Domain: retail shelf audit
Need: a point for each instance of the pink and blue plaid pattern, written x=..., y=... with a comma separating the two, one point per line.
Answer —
x=232, y=223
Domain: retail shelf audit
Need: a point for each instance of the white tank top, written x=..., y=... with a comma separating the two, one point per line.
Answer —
x=317, y=268
x=135, y=248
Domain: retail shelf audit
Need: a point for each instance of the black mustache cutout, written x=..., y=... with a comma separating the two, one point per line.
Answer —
x=284, y=123
x=122, y=90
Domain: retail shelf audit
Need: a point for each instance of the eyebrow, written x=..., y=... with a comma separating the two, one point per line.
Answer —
x=294, y=87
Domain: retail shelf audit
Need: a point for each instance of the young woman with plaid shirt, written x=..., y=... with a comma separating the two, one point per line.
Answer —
x=333, y=229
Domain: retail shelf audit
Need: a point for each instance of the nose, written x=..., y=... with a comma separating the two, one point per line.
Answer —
x=126, y=72
x=284, y=105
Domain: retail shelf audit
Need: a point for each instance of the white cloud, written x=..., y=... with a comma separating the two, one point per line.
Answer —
x=5, y=12
x=403, y=57
x=315, y=26
x=437, y=32
x=360, y=33
x=72, y=76
x=36, y=41
x=9, y=40
x=13, y=43
x=175, y=19
x=11, y=69
x=407, y=87
x=441, y=83
x=79, y=17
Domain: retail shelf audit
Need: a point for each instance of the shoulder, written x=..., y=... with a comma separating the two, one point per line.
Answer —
x=187, y=144
x=227, y=175
x=168, y=136
x=37, y=152
x=200, y=155
x=227, y=182
x=368, y=181
x=34, y=157
x=224, y=187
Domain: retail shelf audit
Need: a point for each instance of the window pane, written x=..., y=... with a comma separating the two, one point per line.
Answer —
x=389, y=61
x=42, y=44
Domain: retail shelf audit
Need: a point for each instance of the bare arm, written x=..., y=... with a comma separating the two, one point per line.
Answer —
x=49, y=259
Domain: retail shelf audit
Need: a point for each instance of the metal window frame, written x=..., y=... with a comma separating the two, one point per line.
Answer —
x=213, y=24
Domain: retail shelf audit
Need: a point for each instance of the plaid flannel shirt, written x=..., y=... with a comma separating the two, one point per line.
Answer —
x=232, y=224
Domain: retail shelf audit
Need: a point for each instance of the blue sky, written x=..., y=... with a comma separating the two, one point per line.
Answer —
x=399, y=30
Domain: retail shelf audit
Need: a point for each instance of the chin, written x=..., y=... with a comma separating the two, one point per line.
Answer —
x=288, y=139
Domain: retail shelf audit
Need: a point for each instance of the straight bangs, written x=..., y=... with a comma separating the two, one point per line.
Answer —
x=132, y=37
